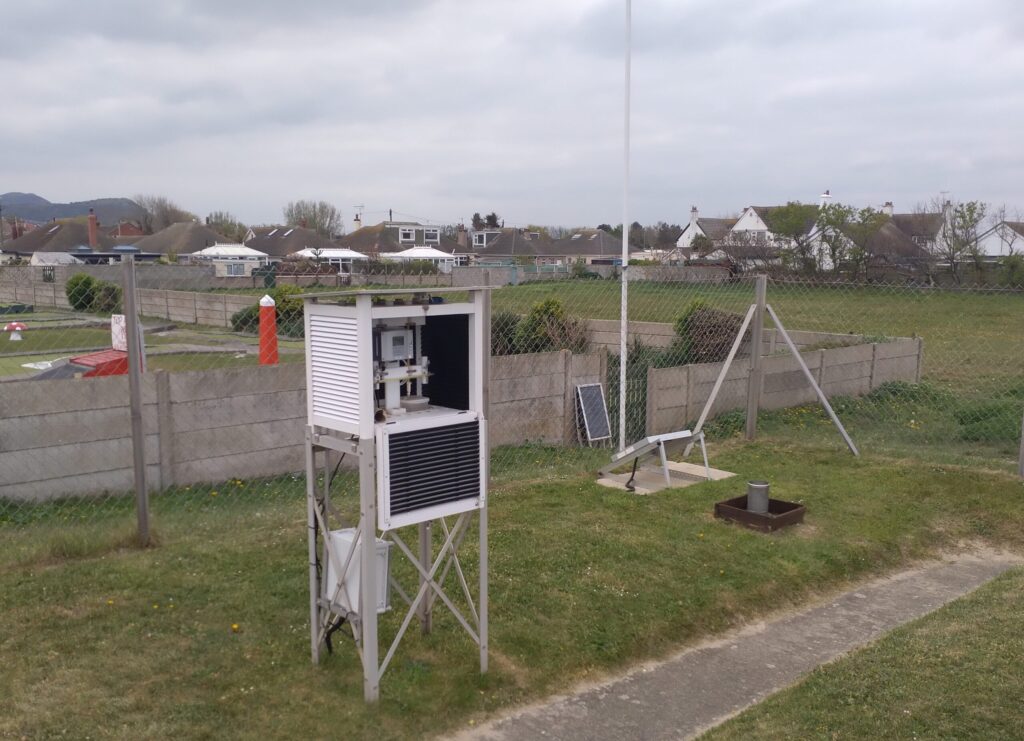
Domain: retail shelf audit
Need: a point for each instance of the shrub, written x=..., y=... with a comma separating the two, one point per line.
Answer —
x=106, y=298
x=703, y=334
x=80, y=290
x=503, y=332
x=547, y=327
x=290, y=320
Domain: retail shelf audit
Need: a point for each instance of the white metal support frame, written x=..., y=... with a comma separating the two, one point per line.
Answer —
x=345, y=433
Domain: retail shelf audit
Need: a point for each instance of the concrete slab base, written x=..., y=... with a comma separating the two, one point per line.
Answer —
x=651, y=479
x=705, y=685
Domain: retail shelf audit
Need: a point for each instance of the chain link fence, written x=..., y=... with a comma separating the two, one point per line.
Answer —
x=914, y=372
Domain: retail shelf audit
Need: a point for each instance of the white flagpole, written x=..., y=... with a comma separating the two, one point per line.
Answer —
x=623, y=311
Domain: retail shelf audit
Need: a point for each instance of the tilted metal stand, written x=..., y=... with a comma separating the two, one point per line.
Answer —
x=799, y=359
x=327, y=613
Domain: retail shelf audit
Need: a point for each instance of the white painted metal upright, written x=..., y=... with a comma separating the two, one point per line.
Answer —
x=624, y=308
x=421, y=459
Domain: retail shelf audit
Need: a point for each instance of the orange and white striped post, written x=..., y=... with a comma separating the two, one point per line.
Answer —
x=268, y=331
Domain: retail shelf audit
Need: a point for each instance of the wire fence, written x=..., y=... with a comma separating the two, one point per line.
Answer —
x=924, y=373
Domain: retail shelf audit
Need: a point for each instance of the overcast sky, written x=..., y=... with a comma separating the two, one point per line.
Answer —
x=440, y=109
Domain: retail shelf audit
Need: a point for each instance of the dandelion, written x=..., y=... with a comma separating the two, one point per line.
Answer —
x=156, y=607
x=235, y=627
x=700, y=535
x=110, y=601
x=213, y=493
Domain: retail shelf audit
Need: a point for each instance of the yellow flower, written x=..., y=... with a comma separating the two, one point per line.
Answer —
x=234, y=627
x=213, y=493
x=110, y=601
x=156, y=607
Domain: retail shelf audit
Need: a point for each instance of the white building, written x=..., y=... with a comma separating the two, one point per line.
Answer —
x=1002, y=240
x=231, y=260
x=444, y=261
x=340, y=257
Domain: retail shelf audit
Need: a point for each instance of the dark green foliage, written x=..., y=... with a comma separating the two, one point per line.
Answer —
x=704, y=334
x=989, y=421
x=79, y=290
x=503, y=332
x=547, y=327
x=290, y=321
x=106, y=298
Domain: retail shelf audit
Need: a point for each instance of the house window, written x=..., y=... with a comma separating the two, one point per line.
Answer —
x=406, y=235
x=431, y=235
x=479, y=239
x=236, y=268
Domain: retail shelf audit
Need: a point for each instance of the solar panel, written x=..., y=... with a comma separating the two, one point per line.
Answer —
x=593, y=412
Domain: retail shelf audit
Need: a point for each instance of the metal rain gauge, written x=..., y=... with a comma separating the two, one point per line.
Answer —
x=396, y=380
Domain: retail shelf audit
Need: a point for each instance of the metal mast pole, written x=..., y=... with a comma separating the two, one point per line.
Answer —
x=623, y=310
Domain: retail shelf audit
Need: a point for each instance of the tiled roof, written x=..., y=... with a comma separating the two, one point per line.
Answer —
x=281, y=241
x=57, y=236
x=181, y=238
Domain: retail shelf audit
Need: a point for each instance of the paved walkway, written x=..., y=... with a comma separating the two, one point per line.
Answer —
x=705, y=685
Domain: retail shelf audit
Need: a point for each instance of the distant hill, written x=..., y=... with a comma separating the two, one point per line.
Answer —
x=35, y=208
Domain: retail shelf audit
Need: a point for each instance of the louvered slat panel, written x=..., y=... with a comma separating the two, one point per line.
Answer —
x=433, y=466
x=334, y=367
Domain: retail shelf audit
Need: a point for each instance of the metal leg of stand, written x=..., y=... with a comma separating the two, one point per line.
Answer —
x=704, y=452
x=314, y=582
x=664, y=464
x=426, y=556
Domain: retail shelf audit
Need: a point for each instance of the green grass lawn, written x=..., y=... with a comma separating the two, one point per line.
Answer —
x=972, y=341
x=106, y=641
x=56, y=338
x=956, y=673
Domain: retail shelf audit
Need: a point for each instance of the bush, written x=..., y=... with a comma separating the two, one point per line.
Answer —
x=106, y=298
x=547, y=327
x=290, y=321
x=703, y=334
x=503, y=332
x=80, y=290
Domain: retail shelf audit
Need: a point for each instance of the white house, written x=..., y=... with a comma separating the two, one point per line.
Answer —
x=341, y=257
x=1002, y=240
x=443, y=260
x=231, y=259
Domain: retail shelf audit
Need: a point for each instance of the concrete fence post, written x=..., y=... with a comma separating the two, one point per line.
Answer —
x=874, y=364
x=165, y=428
x=920, y=359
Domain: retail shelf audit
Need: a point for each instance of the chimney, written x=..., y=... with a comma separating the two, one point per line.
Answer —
x=826, y=198
x=887, y=208
x=93, y=229
x=357, y=223
x=460, y=236
x=693, y=214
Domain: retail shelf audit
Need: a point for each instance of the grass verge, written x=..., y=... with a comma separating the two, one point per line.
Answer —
x=955, y=673
x=122, y=643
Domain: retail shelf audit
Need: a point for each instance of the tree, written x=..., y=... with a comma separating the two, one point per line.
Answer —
x=833, y=222
x=491, y=220
x=701, y=245
x=667, y=235
x=958, y=238
x=478, y=222
x=863, y=225
x=606, y=228
x=792, y=226
x=224, y=223
x=160, y=213
x=320, y=216
x=1011, y=242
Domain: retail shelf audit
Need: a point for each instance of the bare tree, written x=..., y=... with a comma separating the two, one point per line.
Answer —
x=224, y=223
x=161, y=212
x=320, y=216
x=958, y=236
x=1011, y=242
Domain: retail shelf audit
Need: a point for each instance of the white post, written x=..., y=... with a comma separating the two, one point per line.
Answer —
x=623, y=310
x=314, y=581
x=368, y=568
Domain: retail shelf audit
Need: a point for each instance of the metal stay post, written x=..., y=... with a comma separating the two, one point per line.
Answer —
x=755, y=382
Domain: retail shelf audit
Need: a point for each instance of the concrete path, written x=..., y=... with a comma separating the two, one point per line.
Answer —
x=705, y=685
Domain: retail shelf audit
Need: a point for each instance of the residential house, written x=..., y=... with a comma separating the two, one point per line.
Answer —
x=507, y=245
x=1002, y=240
x=230, y=260
x=590, y=246
x=340, y=257
x=444, y=261
x=280, y=241
x=73, y=236
x=181, y=238
x=395, y=236
x=716, y=230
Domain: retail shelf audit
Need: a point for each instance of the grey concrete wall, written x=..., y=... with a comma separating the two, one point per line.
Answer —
x=72, y=437
x=676, y=396
x=191, y=307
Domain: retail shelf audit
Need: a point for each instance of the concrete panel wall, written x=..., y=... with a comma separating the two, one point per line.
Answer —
x=676, y=396
x=73, y=437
